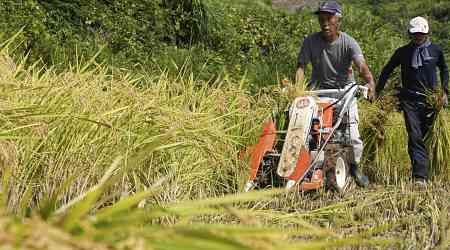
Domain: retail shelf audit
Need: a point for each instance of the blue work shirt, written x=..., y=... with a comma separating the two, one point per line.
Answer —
x=416, y=81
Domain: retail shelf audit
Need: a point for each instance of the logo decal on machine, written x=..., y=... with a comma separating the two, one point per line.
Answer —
x=302, y=103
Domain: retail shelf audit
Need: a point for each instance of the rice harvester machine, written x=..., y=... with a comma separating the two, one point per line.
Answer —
x=312, y=149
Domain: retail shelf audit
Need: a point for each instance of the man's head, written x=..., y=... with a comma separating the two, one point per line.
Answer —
x=418, y=29
x=329, y=13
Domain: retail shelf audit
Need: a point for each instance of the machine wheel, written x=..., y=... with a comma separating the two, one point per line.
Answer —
x=337, y=171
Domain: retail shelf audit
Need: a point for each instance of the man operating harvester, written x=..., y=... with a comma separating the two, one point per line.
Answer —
x=331, y=53
x=419, y=60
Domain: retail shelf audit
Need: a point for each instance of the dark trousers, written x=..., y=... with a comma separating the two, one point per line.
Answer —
x=419, y=118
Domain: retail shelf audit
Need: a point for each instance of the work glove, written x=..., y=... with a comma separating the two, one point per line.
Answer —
x=371, y=93
x=284, y=85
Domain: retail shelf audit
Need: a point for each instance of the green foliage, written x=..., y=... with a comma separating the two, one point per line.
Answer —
x=396, y=15
x=188, y=21
x=257, y=41
x=215, y=38
x=129, y=30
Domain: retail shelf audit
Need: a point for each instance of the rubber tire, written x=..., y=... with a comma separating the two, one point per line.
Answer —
x=338, y=177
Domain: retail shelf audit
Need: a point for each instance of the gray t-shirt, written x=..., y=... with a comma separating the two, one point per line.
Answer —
x=331, y=62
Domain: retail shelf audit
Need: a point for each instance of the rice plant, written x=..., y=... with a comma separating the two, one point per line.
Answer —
x=91, y=159
x=385, y=139
x=438, y=139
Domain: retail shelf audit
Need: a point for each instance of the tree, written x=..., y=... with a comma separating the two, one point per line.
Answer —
x=188, y=19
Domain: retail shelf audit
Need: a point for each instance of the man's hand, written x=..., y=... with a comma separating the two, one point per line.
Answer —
x=285, y=83
x=371, y=93
x=365, y=73
x=300, y=75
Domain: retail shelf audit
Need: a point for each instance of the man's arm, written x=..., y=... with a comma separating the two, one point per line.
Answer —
x=386, y=72
x=364, y=72
x=300, y=74
x=304, y=57
x=358, y=59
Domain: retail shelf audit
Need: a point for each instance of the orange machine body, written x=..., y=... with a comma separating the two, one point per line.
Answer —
x=265, y=144
x=325, y=115
x=320, y=131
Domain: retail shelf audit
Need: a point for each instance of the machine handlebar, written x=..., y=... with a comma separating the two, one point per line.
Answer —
x=360, y=89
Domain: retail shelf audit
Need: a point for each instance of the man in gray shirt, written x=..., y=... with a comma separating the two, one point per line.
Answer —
x=332, y=53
